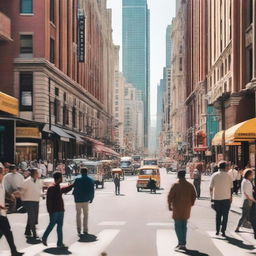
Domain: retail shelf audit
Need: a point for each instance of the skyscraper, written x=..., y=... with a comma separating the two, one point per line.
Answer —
x=136, y=52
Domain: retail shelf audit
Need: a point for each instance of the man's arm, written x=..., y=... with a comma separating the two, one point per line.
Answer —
x=66, y=189
x=171, y=197
x=211, y=187
x=49, y=199
x=92, y=192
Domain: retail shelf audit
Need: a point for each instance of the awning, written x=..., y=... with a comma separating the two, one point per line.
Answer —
x=217, y=139
x=245, y=131
x=63, y=135
x=105, y=150
x=76, y=135
x=97, y=142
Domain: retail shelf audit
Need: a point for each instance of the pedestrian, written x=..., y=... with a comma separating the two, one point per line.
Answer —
x=68, y=170
x=152, y=185
x=117, y=184
x=181, y=198
x=233, y=172
x=5, y=228
x=197, y=179
x=248, y=199
x=55, y=207
x=30, y=194
x=12, y=183
x=83, y=194
x=221, y=186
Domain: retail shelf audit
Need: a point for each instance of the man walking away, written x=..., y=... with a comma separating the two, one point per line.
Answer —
x=117, y=184
x=84, y=194
x=233, y=172
x=55, y=207
x=30, y=194
x=181, y=198
x=197, y=179
x=221, y=185
x=5, y=228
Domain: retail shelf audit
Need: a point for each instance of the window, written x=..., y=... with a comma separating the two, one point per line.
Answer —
x=52, y=50
x=57, y=110
x=74, y=117
x=26, y=6
x=249, y=64
x=26, y=91
x=249, y=12
x=180, y=64
x=26, y=44
x=52, y=11
x=65, y=115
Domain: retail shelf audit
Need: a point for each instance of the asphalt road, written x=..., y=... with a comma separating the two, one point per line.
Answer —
x=135, y=224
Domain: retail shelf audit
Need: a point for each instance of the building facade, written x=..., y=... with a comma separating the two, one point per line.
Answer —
x=136, y=52
x=60, y=67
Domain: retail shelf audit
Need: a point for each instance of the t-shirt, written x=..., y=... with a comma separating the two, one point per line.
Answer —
x=247, y=188
x=2, y=199
x=13, y=181
x=31, y=190
x=221, y=183
x=233, y=174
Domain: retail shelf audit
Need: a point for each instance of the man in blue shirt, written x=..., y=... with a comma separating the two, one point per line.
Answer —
x=83, y=193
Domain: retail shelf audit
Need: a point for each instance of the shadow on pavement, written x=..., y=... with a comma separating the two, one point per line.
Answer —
x=87, y=238
x=57, y=251
x=33, y=241
x=193, y=253
x=121, y=195
x=203, y=198
x=238, y=243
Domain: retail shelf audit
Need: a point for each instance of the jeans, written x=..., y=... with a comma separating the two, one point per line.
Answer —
x=79, y=208
x=117, y=189
x=5, y=230
x=197, y=184
x=246, y=213
x=32, y=208
x=222, y=209
x=55, y=218
x=181, y=231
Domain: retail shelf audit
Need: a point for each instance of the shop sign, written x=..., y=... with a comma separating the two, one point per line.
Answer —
x=9, y=104
x=81, y=36
x=28, y=132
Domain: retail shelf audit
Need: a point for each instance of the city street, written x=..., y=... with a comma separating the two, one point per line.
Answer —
x=135, y=224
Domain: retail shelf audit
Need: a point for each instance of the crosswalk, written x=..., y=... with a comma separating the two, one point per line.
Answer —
x=236, y=244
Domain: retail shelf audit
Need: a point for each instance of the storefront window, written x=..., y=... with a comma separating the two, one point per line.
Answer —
x=26, y=152
x=26, y=6
x=26, y=91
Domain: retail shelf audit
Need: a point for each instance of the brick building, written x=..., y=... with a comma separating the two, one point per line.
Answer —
x=60, y=67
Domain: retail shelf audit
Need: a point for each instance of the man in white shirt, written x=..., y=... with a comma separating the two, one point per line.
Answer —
x=13, y=182
x=221, y=186
x=5, y=228
x=30, y=194
x=233, y=172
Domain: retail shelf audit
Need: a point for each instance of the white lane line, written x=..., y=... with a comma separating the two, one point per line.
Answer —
x=160, y=224
x=225, y=247
x=105, y=238
x=165, y=243
x=112, y=223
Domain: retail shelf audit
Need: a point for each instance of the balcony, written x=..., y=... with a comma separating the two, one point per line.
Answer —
x=5, y=28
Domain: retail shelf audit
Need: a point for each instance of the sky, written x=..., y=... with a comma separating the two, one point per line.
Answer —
x=161, y=14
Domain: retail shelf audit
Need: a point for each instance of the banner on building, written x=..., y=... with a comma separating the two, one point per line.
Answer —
x=81, y=36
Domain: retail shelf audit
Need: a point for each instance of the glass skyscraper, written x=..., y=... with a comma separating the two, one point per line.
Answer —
x=136, y=51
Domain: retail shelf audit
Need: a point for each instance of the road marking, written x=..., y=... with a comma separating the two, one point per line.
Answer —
x=226, y=247
x=105, y=238
x=165, y=243
x=160, y=224
x=112, y=223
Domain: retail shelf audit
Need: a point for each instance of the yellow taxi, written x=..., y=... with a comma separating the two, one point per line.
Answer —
x=146, y=173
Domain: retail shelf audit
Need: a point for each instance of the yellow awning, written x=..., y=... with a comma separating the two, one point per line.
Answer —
x=217, y=139
x=9, y=104
x=245, y=131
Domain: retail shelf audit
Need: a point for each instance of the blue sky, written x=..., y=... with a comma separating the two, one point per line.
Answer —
x=162, y=12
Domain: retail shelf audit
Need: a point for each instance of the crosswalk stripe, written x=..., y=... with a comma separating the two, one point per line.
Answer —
x=105, y=237
x=112, y=223
x=225, y=247
x=165, y=243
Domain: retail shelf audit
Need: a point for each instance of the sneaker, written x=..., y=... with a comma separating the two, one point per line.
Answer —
x=223, y=234
x=62, y=246
x=17, y=253
x=177, y=248
x=183, y=248
x=217, y=233
x=237, y=230
x=44, y=242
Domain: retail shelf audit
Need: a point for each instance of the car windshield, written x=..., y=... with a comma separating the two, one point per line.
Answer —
x=150, y=162
x=91, y=169
x=136, y=158
x=148, y=172
x=125, y=164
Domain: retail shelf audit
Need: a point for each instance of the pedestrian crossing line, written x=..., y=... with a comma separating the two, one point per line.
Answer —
x=105, y=238
x=248, y=237
x=225, y=247
x=160, y=224
x=112, y=223
x=165, y=243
